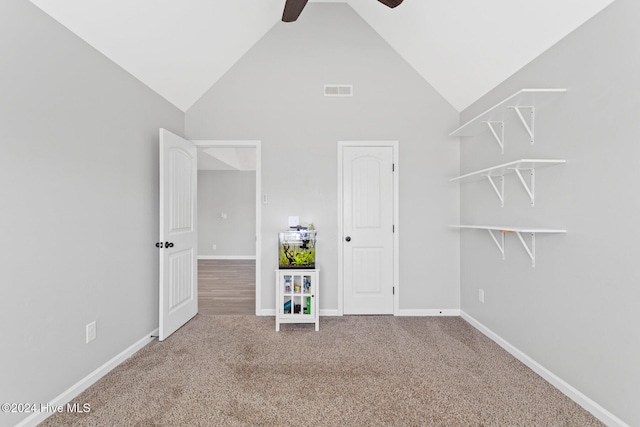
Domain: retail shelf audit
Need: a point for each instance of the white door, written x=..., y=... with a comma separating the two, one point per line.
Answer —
x=367, y=190
x=178, y=237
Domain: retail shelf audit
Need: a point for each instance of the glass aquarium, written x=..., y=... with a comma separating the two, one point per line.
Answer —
x=297, y=249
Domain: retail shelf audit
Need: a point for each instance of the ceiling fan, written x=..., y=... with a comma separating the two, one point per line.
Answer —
x=293, y=8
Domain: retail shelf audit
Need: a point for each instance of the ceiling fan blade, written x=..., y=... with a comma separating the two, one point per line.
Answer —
x=293, y=9
x=390, y=3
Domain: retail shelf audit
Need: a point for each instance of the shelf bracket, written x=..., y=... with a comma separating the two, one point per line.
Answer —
x=499, y=138
x=500, y=191
x=530, y=189
x=531, y=251
x=521, y=232
x=529, y=127
x=499, y=244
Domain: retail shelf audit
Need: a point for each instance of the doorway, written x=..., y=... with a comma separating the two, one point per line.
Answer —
x=226, y=287
x=229, y=209
x=368, y=227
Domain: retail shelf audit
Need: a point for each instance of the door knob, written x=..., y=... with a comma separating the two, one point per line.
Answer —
x=168, y=245
x=348, y=238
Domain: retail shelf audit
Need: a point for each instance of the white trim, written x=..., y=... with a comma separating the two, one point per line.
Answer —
x=226, y=257
x=396, y=223
x=73, y=391
x=218, y=143
x=429, y=312
x=340, y=233
x=594, y=408
x=329, y=312
x=396, y=219
x=267, y=312
x=258, y=146
x=323, y=312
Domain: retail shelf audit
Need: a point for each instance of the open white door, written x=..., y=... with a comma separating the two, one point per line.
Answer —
x=178, y=237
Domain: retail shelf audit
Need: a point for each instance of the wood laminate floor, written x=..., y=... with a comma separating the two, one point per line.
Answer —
x=227, y=287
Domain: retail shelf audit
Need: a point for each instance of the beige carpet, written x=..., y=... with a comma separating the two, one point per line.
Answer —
x=356, y=371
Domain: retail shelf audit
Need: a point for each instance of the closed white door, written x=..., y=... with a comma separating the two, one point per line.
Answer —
x=367, y=189
x=178, y=237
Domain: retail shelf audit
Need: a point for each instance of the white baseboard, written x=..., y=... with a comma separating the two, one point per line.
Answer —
x=423, y=313
x=429, y=312
x=327, y=312
x=66, y=396
x=226, y=257
x=272, y=312
x=595, y=409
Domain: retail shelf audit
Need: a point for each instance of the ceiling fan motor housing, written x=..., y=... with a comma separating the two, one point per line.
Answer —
x=293, y=8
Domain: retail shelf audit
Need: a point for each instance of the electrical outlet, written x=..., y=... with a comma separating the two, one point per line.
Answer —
x=91, y=331
x=214, y=247
x=481, y=295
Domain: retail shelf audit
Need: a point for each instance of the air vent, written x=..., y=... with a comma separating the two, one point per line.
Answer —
x=338, y=90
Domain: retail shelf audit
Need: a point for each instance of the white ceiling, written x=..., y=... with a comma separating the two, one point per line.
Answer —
x=463, y=48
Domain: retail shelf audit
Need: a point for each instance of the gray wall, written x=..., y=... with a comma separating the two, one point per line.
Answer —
x=576, y=312
x=79, y=186
x=234, y=193
x=275, y=94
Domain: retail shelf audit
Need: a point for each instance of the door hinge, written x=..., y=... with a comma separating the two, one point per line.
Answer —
x=393, y=167
x=394, y=290
x=393, y=228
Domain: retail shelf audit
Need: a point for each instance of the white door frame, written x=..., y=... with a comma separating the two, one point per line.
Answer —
x=396, y=220
x=257, y=146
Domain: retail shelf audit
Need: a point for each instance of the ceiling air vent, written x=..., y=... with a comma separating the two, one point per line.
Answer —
x=338, y=90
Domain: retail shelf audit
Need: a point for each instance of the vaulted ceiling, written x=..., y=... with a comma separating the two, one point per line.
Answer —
x=463, y=48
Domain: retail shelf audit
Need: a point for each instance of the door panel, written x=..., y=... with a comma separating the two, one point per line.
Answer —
x=367, y=270
x=368, y=230
x=180, y=273
x=178, y=260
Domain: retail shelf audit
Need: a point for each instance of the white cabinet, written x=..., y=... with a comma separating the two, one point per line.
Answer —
x=297, y=297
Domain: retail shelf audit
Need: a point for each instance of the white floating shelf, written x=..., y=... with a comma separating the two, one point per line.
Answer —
x=520, y=105
x=511, y=229
x=516, y=167
x=531, y=250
